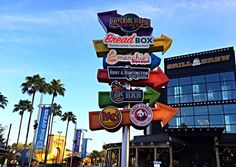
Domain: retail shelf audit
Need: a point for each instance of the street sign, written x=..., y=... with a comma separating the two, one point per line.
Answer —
x=137, y=59
x=121, y=94
x=150, y=97
x=128, y=42
x=160, y=112
x=161, y=44
x=110, y=118
x=140, y=115
x=111, y=21
x=156, y=80
x=129, y=73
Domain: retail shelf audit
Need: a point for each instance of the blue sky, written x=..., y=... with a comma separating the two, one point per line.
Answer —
x=53, y=38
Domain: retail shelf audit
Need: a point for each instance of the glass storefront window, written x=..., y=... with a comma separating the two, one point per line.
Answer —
x=229, y=108
x=225, y=76
x=215, y=109
x=202, y=120
x=185, y=81
x=200, y=110
x=212, y=77
x=186, y=111
x=198, y=79
x=217, y=120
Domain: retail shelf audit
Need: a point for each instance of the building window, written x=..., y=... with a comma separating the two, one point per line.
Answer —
x=186, y=98
x=226, y=76
x=217, y=120
x=229, y=108
x=228, y=85
x=226, y=95
x=173, y=82
x=230, y=119
x=212, y=96
x=198, y=79
x=211, y=87
x=199, y=97
x=186, y=111
x=199, y=88
x=173, y=99
x=185, y=81
x=200, y=110
x=186, y=89
x=189, y=121
x=215, y=109
x=212, y=77
x=202, y=120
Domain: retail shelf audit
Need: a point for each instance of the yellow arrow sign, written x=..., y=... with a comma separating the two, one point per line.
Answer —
x=161, y=44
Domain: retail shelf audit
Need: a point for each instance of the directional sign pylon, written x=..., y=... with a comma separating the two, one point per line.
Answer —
x=150, y=97
x=161, y=44
x=161, y=112
x=156, y=80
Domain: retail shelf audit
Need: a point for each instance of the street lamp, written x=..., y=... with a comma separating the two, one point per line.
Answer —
x=58, y=143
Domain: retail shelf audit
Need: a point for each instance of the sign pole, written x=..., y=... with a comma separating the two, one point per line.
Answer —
x=71, y=160
x=36, y=130
x=125, y=140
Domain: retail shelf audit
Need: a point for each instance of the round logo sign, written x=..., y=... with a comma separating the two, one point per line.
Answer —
x=140, y=115
x=110, y=117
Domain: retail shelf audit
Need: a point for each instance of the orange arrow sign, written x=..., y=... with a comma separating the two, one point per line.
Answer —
x=156, y=80
x=160, y=112
x=161, y=44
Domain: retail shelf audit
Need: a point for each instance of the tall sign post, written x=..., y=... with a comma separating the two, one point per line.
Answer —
x=128, y=60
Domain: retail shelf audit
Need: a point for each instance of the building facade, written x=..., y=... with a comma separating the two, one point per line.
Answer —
x=202, y=86
x=203, y=134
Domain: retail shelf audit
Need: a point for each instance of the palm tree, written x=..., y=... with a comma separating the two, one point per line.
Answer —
x=31, y=86
x=94, y=156
x=3, y=101
x=67, y=116
x=21, y=107
x=56, y=111
x=55, y=88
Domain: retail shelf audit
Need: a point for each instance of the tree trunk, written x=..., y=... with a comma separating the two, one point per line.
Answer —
x=27, y=133
x=21, y=118
x=65, y=140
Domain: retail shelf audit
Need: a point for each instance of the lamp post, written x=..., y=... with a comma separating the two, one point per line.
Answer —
x=58, y=144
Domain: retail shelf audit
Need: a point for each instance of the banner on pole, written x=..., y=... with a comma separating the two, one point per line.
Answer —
x=77, y=141
x=84, y=148
x=42, y=128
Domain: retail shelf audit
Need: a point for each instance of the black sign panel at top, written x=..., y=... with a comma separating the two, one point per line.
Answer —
x=212, y=61
x=128, y=73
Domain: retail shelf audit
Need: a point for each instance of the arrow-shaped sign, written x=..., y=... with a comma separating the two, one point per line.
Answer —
x=161, y=44
x=137, y=59
x=150, y=97
x=161, y=112
x=156, y=80
x=108, y=18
